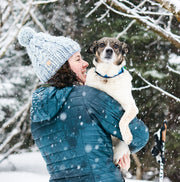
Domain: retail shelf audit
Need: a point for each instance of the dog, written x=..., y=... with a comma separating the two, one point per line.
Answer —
x=110, y=76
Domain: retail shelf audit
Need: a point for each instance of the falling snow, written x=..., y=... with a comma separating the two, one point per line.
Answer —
x=88, y=148
x=63, y=116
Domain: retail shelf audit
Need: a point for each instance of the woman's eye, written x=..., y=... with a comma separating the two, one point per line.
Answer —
x=116, y=46
x=102, y=45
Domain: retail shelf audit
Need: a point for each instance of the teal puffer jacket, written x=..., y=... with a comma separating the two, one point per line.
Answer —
x=72, y=129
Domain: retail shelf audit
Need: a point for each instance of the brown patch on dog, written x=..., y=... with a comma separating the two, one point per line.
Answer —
x=119, y=60
x=105, y=80
x=125, y=48
x=97, y=57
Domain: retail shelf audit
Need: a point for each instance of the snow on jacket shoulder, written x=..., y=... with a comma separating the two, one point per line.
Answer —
x=72, y=128
x=47, y=101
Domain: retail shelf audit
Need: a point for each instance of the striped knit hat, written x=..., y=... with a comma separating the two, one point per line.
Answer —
x=47, y=53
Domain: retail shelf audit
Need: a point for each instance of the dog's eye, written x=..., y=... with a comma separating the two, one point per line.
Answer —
x=101, y=45
x=116, y=46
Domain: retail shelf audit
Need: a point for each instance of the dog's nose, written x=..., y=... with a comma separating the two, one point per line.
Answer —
x=109, y=52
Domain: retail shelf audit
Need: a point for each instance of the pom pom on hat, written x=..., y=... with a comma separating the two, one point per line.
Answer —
x=25, y=36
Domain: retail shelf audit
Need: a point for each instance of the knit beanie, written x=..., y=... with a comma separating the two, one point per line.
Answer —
x=47, y=53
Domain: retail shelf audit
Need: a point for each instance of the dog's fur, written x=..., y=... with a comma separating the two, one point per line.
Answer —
x=109, y=59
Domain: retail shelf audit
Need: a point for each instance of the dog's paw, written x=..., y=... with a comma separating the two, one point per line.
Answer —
x=126, y=135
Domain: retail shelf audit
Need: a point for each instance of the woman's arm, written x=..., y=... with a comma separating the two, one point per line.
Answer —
x=109, y=112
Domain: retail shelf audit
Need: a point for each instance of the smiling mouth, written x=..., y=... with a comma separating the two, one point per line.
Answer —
x=84, y=73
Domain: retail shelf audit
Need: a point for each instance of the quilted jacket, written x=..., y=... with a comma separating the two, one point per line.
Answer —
x=72, y=128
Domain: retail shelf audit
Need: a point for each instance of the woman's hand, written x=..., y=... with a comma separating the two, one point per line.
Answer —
x=125, y=162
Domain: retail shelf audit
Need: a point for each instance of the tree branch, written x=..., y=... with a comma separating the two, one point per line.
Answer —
x=11, y=150
x=170, y=7
x=43, y=2
x=156, y=87
x=97, y=4
x=140, y=88
x=138, y=164
x=172, y=70
x=15, y=28
x=7, y=40
x=126, y=29
x=36, y=21
x=174, y=39
x=17, y=129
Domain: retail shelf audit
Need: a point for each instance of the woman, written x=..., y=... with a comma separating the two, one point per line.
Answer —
x=72, y=124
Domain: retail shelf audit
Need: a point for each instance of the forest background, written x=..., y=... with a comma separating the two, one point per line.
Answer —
x=151, y=28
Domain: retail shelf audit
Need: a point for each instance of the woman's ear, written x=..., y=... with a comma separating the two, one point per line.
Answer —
x=92, y=48
x=125, y=49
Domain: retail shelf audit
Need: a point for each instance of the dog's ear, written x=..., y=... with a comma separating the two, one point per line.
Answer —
x=93, y=47
x=125, y=49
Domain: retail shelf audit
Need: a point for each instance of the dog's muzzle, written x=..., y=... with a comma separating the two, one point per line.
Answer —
x=109, y=53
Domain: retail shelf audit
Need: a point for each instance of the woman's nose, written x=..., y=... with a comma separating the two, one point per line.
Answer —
x=85, y=63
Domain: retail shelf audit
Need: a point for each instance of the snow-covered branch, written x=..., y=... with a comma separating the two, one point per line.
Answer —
x=156, y=87
x=5, y=13
x=143, y=16
x=14, y=119
x=171, y=6
x=17, y=130
x=126, y=29
x=147, y=21
x=36, y=21
x=21, y=127
x=14, y=30
x=43, y=2
x=172, y=70
x=97, y=5
x=27, y=9
x=140, y=88
x=11, y=150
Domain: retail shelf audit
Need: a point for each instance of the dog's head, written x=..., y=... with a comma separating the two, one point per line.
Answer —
x=109, y=50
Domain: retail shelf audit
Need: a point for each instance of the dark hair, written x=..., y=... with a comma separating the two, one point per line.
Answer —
x=64, y=77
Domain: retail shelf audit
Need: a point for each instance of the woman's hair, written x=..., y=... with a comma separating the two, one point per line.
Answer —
x=64, y=77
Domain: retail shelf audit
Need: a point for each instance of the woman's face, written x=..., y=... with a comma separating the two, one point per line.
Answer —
x=78, y=65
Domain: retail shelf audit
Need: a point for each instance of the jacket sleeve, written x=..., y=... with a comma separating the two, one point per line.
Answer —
x=107, y=112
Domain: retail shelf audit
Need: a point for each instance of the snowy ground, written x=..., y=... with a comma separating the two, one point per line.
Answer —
x=27, y=167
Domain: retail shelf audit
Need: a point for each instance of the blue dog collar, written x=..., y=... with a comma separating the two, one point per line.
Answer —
x=106, y=76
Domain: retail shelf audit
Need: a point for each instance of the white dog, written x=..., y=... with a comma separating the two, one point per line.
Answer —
x=110, y=76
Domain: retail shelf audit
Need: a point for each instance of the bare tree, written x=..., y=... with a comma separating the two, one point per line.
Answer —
x=15, y=131
x=20, y=12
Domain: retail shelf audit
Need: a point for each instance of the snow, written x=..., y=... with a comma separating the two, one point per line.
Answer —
x=174, y=59
x=24, y=167
x=176, y=3
x=21, y=177
x=155, y=74
x=28, y=166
